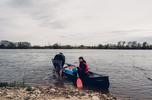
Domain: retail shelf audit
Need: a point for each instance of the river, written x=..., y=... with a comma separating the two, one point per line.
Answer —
x=129, y=71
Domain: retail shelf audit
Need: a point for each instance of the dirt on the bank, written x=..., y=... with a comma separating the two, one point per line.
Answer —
x=51, y=93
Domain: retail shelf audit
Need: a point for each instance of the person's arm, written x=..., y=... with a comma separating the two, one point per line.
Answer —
x=63, y=59
x=83, y=67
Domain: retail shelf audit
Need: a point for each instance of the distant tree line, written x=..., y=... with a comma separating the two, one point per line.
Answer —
x=4, y=44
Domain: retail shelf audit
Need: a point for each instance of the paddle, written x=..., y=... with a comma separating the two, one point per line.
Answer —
x=79, y=83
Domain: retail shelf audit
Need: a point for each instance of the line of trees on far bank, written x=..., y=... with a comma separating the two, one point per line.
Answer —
x=4, y=44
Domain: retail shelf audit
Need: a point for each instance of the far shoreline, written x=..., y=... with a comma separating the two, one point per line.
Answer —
x=66, y=49
x=121, y=45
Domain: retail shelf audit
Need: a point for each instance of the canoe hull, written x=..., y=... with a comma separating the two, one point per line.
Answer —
x=92, y=81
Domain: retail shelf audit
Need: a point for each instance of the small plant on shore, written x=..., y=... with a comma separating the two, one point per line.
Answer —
x=29, y=88
x=17, y=84
x=3, y=84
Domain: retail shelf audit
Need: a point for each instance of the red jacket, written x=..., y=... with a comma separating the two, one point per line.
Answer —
x=83, y=67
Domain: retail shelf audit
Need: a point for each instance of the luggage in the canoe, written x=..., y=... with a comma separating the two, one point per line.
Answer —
x=92, y=80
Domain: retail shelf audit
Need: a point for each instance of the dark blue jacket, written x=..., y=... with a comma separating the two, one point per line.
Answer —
x=60, y=57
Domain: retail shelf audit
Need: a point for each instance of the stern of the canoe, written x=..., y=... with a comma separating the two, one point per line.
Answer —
x=98, y=81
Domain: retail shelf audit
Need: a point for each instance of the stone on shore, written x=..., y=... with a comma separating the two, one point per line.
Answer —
x=95, y=98
x=51, y=93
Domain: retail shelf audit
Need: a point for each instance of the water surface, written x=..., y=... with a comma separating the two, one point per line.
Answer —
x=130, y=71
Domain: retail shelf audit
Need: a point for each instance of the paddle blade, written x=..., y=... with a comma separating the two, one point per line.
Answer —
x=79, y=83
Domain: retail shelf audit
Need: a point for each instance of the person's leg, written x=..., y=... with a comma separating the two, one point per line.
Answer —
x=61, y=73
x=58, y=72
x=60, y=69
x=57, y=68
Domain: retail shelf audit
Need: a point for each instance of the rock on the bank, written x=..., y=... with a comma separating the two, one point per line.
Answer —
x=53, y=90
x=95, y=98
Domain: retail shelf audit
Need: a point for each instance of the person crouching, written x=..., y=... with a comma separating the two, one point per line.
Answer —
x=58, y=62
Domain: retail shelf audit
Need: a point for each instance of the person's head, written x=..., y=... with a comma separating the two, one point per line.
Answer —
x=81, y=59
x=60, y=53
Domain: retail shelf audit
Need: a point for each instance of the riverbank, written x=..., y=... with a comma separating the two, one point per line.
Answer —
x=51, y=93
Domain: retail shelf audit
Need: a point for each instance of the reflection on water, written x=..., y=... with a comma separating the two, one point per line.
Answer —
x=130, y=71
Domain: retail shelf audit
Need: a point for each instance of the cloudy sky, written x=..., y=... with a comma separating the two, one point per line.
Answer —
x=75, y=22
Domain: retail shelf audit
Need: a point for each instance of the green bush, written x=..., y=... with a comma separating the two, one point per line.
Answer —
x=29, y=88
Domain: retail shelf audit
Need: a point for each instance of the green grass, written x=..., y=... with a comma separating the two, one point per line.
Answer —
x=13, y=84
x=16, y=84
x=29, y=88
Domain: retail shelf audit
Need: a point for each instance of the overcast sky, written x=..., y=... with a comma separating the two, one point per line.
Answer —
x=75, y=22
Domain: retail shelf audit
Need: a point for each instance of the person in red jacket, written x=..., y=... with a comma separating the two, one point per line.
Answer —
x=83, y=67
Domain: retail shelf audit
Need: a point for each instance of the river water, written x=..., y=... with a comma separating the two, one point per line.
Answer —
x=130, y=71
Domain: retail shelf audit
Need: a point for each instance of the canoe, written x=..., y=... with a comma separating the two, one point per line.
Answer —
x=92, y=80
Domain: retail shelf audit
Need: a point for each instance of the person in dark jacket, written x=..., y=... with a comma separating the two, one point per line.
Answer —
x=83, y=69
x=58, y=62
